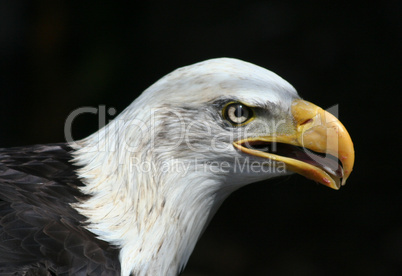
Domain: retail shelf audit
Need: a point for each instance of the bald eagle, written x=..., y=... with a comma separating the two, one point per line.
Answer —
x=134, y=197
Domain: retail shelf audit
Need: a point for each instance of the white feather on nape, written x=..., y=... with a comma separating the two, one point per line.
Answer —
x=150, y=193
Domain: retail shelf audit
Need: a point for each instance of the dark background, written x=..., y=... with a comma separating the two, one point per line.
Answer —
x=57, y=56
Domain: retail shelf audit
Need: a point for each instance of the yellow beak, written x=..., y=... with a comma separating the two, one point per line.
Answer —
x=319, y=148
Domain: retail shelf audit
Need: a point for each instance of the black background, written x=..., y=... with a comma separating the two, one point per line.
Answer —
x=57, y=56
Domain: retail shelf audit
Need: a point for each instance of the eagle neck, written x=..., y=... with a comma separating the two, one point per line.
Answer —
x=154, y=215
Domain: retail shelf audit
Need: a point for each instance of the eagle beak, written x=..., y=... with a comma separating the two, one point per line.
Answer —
x=318, y=147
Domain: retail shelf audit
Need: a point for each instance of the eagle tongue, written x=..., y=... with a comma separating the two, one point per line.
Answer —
x=327, y=162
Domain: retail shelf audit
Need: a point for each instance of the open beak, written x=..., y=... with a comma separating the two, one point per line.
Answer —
x=319, y=148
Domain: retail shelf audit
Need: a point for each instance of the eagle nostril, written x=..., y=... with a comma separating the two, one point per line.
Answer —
x=306, y=121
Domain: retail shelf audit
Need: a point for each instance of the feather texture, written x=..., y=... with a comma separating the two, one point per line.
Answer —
x=40, y=233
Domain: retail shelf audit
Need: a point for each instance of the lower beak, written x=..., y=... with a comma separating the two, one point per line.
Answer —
x=319, y=148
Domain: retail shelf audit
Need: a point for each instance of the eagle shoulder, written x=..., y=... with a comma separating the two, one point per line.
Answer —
x=40, y=233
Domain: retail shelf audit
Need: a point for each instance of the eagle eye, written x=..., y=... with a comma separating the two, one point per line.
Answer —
x=237, y=113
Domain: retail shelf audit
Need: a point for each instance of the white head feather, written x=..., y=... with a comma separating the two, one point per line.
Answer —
x=159, y=171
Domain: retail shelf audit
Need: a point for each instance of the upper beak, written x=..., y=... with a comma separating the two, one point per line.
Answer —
x=318, y=148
